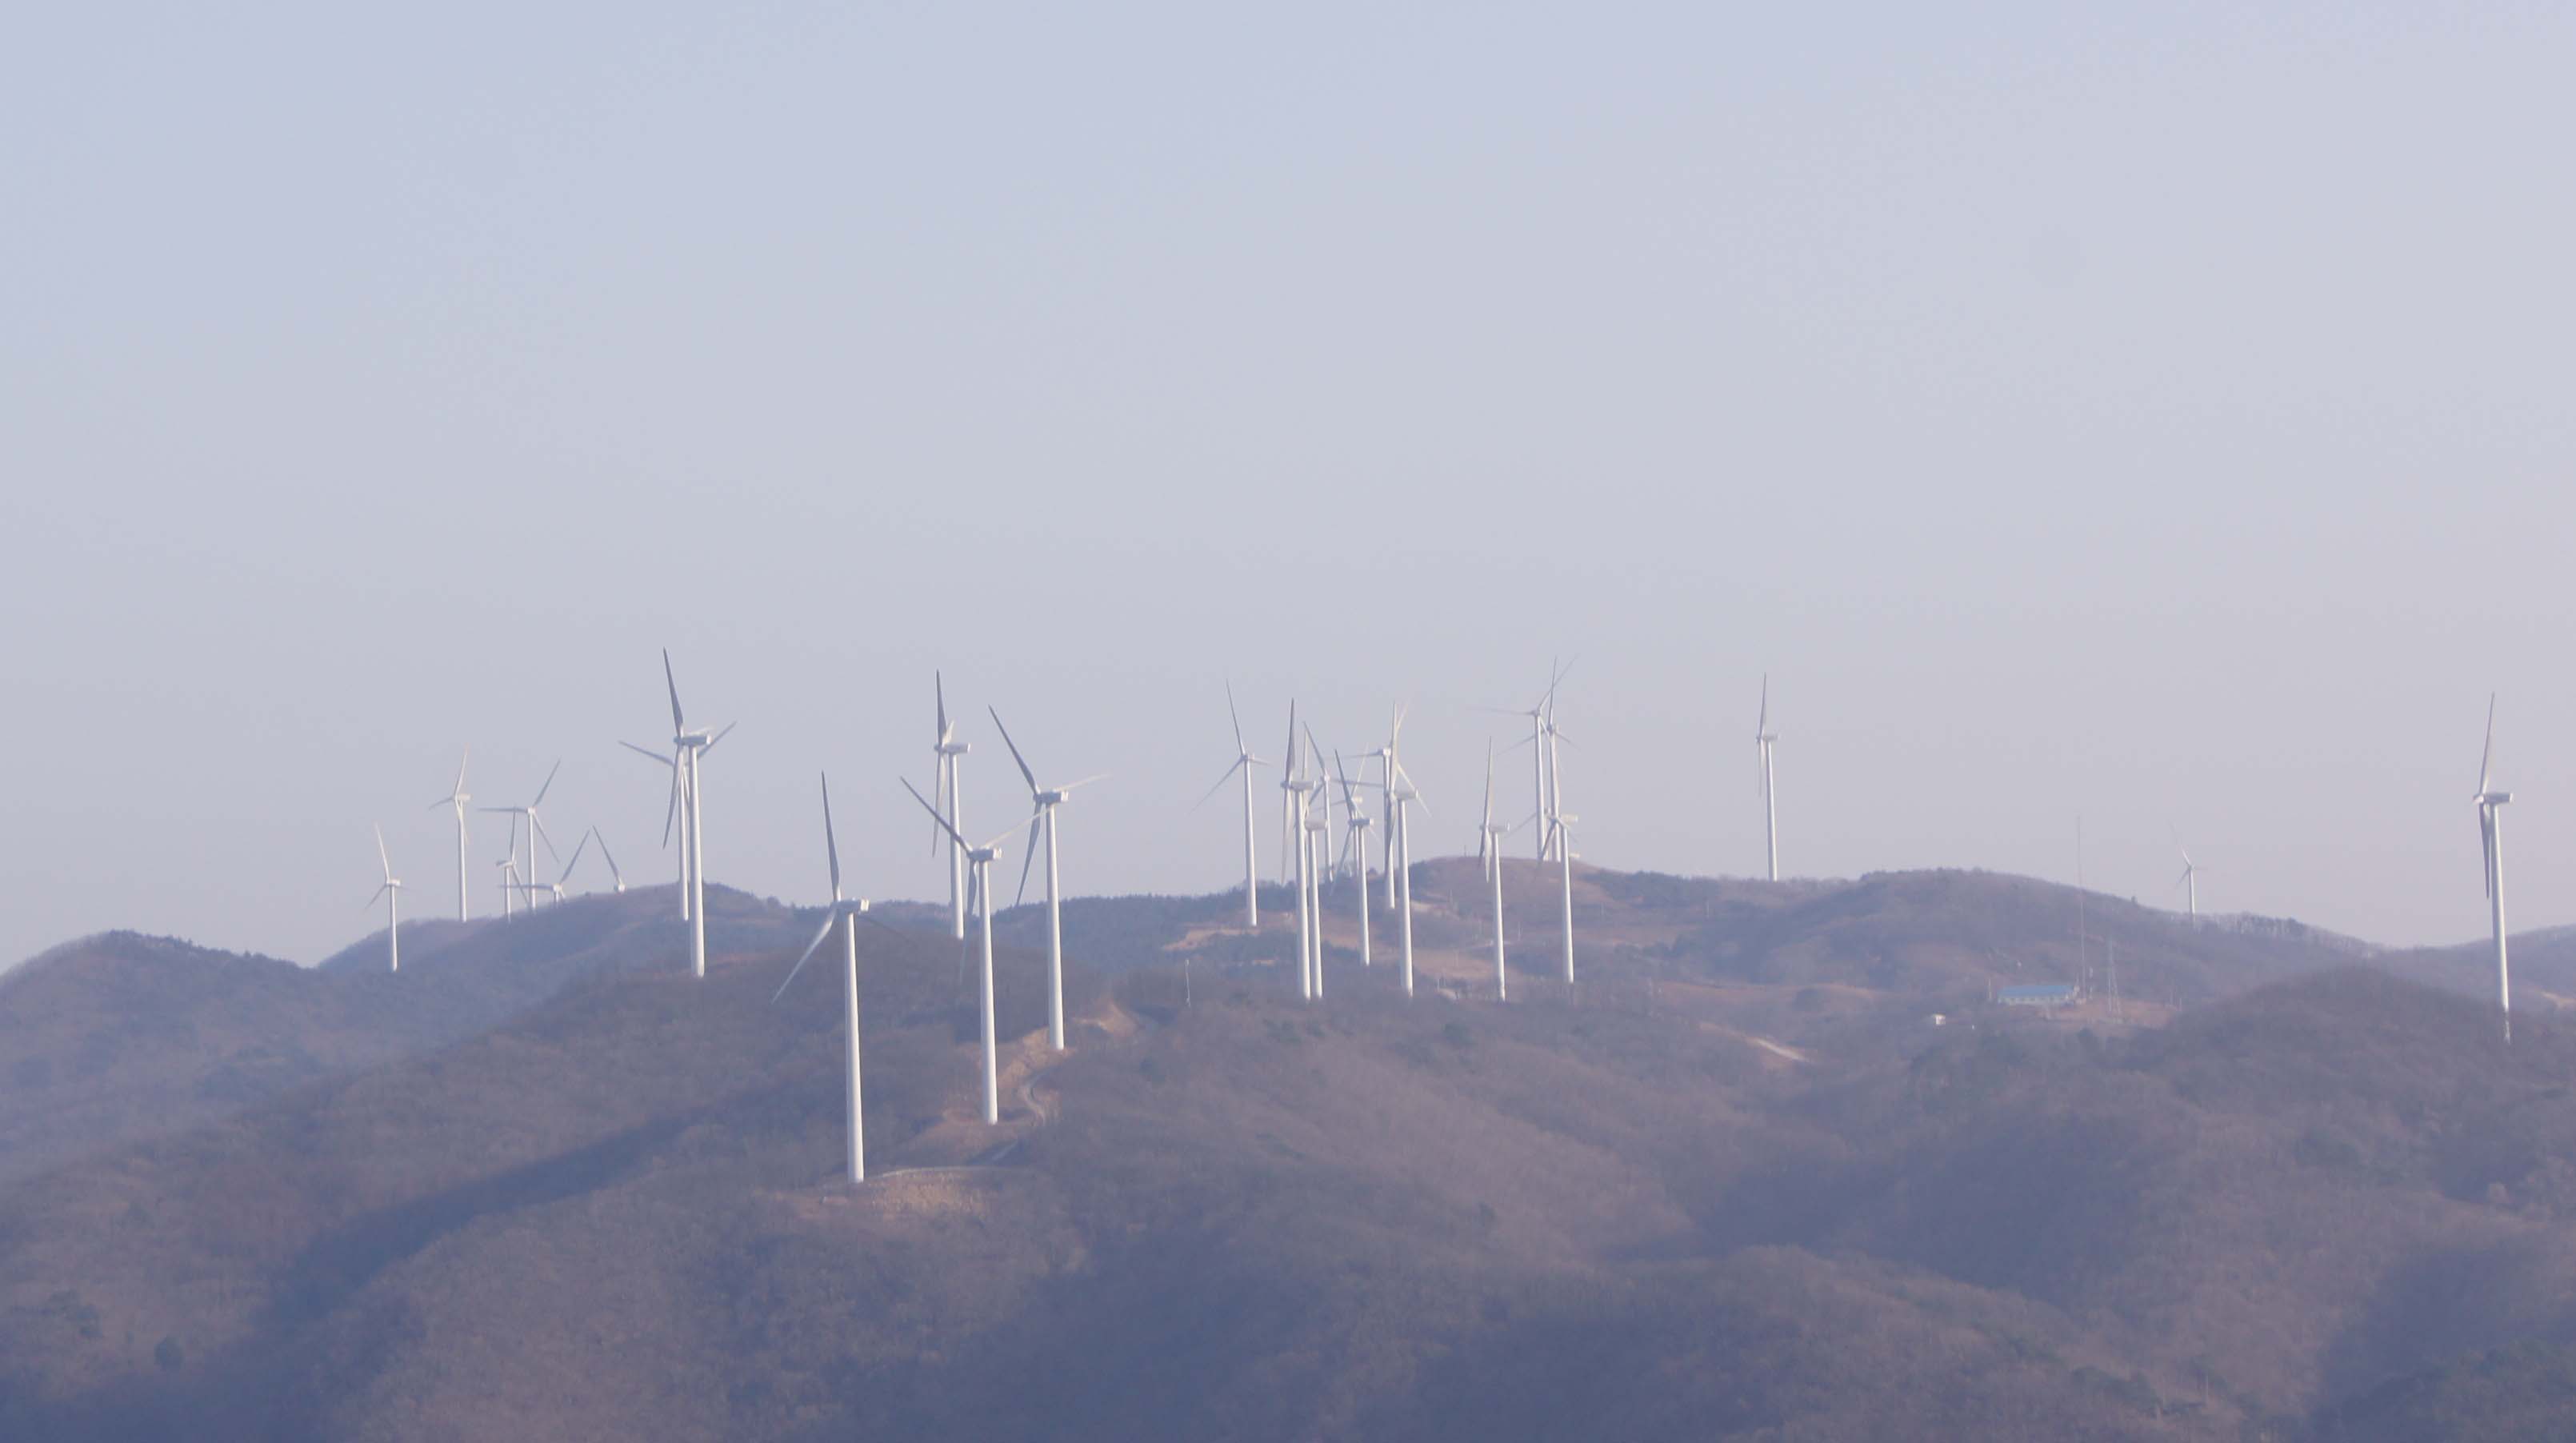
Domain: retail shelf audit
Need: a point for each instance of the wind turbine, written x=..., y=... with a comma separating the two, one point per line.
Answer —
x=536, y=828
x=1386, y=770
x=847, y=914
x=554, y=890
x=1490, y=849
x=509, y=867
x=391, y=891
x=1358, y=822
x=1244, y=762
x=1763, y=737
x=979, y=860
x=687, y=749
x=1042, y=803
x=456, y=798
x=2189, y=881
x=2491, y=833
x=670, y=813
x=1537, y=741
x=948, y=750
x=611, y=858
x=1555, y=801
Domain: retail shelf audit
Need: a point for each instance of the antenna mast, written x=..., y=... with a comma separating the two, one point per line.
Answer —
x=2083, y=953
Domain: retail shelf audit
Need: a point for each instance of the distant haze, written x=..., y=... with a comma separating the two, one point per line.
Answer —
x=2156, y=414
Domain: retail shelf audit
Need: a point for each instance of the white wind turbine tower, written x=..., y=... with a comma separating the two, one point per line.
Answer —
x=676, y=808
x=456, y=798
x=1319, y=841
x=536, y=828
x=979, y=861
x=1042, y=803
x=847, y=914
x=1404, y=794
x=2490, y=832
x=1560, y=824
x=1763, y=737
x=1317, y=835
x=944, y=784
x=391, y=891
x=1297, y=848
x=687, y=749
x=1244, y=762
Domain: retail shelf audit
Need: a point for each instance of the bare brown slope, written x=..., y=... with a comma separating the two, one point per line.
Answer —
x=1616, y=1211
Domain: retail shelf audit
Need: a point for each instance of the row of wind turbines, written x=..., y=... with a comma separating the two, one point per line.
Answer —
x=1312, y=856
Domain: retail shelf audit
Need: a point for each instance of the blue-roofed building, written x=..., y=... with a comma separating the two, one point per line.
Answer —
x=2051, y=994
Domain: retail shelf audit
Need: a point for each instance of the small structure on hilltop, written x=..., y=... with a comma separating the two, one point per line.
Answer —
x=2051, y=994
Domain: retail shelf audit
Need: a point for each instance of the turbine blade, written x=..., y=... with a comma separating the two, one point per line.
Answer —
x=2486, y=845
x=578, y=848
x=540, y=799
x=609, y=856
x=831, y=915
x=372, y=896
x=1086, y=781
x=725, y=731
x=1220, y=783
x=671, y=810
x=1417, y=798
x=1025, y=774
x=1028, y=857
x=1763, y=723
x=648, y=752
x=677, y=725
x=1489, y=783
x=1235, y=716
x=380, y=853
x=831, y=844
x=2488, y=754
x=939, y=689
x=934, y=814
x=460, y=770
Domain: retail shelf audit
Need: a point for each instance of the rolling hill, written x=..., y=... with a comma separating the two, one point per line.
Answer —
x=1736, y=1183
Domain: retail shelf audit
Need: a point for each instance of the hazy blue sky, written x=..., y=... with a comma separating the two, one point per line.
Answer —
x=2159, y=413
